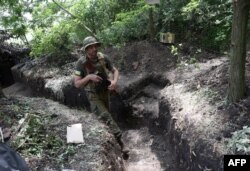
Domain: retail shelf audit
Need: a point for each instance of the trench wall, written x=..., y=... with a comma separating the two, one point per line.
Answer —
x=199, y=159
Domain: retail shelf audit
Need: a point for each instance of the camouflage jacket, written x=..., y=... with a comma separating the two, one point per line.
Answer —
x=101, y=65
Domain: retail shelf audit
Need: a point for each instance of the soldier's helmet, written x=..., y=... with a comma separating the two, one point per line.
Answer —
x=90, y=40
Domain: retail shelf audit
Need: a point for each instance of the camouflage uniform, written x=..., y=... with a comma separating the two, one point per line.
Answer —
x=99, y=101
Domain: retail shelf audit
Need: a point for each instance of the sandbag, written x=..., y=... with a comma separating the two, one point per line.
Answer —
x=10, y=160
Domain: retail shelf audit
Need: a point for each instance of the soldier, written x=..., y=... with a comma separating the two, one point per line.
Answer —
x=92, y=71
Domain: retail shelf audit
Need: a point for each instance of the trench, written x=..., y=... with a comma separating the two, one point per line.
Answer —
x=6, y=62
x=145, y=120
x=143, y=115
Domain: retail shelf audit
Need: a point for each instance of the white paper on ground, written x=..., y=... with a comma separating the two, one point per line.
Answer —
x=74, y=133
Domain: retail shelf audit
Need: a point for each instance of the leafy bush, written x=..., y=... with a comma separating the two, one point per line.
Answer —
x=128, y=26
x=203, y=22
x=209, y=22
x=54, y=41
x=99, y=16
x=33, y=139
x=240, y=141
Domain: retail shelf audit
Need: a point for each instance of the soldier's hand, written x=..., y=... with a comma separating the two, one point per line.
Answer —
x=112, y=86
x=95, y=78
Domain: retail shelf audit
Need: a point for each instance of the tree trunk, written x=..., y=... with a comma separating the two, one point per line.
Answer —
x=237, y=85
x=151, y=25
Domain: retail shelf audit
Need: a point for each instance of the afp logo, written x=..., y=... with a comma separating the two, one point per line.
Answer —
x=236, y=163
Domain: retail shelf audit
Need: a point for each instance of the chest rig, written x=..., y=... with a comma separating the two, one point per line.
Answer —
x=97, y=67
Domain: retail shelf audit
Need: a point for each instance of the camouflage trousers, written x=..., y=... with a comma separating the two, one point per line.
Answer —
x=99, y=104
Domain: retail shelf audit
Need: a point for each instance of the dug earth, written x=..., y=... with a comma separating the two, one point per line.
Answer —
x=172, y=109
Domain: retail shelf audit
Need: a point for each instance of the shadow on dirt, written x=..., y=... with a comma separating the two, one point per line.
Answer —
x=144, y=116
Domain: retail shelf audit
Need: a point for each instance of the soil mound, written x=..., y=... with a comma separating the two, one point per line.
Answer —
x=172, y=100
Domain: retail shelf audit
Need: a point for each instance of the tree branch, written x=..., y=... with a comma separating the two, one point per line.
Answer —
x=75, y=17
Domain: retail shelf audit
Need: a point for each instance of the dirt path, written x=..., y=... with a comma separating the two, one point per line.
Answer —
x=148, y=152
x=147, y=136
x=18, y=89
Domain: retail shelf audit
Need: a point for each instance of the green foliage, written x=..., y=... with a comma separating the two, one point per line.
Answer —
x=99, y=16
x=66, y=151
x=12, y=17
x=209, y=22
x=44, y=15
x=174, y=50
x=34, y=140
x=127, y=26
x=240, y=141
x=170, y=15
x=191, y=7
x=54, y=41
x=203, y=22
x=7, y=120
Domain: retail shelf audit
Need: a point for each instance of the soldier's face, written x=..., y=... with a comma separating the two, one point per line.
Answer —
x=92, y=50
